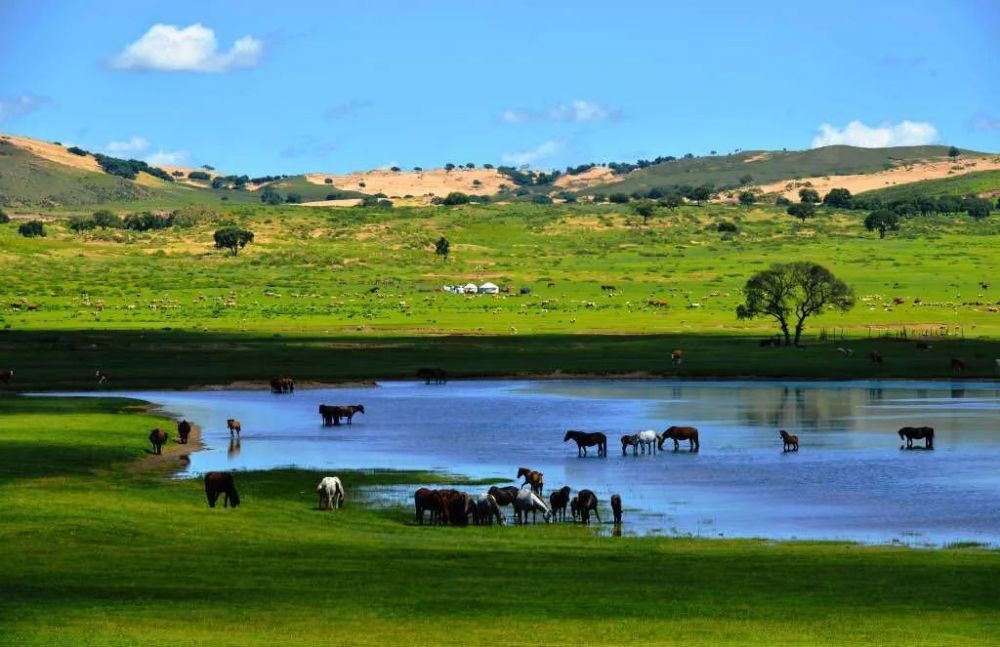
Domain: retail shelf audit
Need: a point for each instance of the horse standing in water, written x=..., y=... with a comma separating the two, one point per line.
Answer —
x=584, y=440
x=532, y=478
x=677, y=434
x=558, y=501
x=647, y=439
x=583, y=504
x=909, y=434
x=790, y=442
x=527, y=501
x=629, y=440
x=616, y=508
x=234, y=427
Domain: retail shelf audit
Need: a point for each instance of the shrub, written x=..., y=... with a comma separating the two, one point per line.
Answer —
x=199, y=175
x=726, y=227
x=293, y=198
x=32, y=229
x=840, y=198
x=4, y=218
x=80, y=224
x=233, y=238
x=328, y=180
x=106, y=219
x=802, y=210
x=809, y=195
x=541, y=198
x=747, y=198
x=270, y=196
x=618, y=198
x=192, y=215
x=782, y=201
x=147, y=221
x=455, y=198
x=76, y=150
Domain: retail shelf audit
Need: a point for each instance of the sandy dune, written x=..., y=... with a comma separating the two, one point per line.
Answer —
x=346, y=202
x=436, y=181
x=54, y=153
x=593, y=177
x=905, y=174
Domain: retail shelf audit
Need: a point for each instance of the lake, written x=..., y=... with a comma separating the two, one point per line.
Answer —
x=849, y=481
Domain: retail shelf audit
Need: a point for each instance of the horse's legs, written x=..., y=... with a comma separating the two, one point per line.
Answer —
x=597, y=514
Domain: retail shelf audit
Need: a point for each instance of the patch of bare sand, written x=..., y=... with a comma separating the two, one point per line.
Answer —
x=417, y=183
x=175, y=457
x=593, y=177
x=54, y=153
x=760, y=157
x=346, y=202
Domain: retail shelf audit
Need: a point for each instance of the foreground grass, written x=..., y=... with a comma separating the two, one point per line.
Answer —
x=95, y=555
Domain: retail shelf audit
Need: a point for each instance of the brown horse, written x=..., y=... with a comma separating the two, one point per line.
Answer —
x=460, y=506
x=282, y=384
x=429, y=500
x=957, y=364
x=616, y=508
x=217, y=483
x=909, y=434
x=7, y=376
x=158, y=438
x=183, y=431
x=790, y=443
x=677, y=434
x=532, y=478
x=348, y=411
x=504, y=495
x=630, y=440
x=433, y=375
x=584, y=440
x=234, y=427
x=583, y=504
x=558, y=501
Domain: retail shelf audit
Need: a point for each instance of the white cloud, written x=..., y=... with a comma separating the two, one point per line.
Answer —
x=167, y=158
x=543, y=150
x=127, y=148
x=14, y=107
x=905, y=133
x=983, y=121
x=136, y=146
x=193, y=48
x=578, y=110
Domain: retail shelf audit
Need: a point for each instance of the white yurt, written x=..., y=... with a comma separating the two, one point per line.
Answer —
x=489, y=288
x=471, y=288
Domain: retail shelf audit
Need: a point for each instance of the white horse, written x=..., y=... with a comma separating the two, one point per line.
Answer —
x=331, y=493
x=527, y=501
x=648, y=440
x=487, y=509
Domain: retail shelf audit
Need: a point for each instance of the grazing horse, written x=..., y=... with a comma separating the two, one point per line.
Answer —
x=676, y=357
x=234, y=427
x=183, y=431
x=532, y=478
x=647, y=439
x=915, y=433
x=460, y=506
x=957, y=364
x=616, y=508
x=435, y=375
x=527, y=501
x=102, y=377
x=217, y=483
x=558, y=501
x=584, y=440
x=331, y=493
x=677, y=434
x=504, y=495
x=7, y=376
x=629, y=440
x=158, y=438
x=486, y=510
x=582, y=505
x=790, y=443
x=282, y=384
x=875, y=357
x=429, y=500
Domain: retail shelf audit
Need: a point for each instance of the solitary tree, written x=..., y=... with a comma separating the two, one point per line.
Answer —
x=809, y=195
x=953, y=152
x=882, y=221
x=790, y=293
x=270, y=196
x=644, y=209
x=840, y=198
x=747, y=198
x=233, y=238
x=456, y=198
x=802, y=210
x=442, y=247
x=746, y=179
x=449, y=166
x=701, y=193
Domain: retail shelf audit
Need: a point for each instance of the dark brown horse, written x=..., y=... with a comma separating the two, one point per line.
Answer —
x=183, y=431
x=504, y=495
x=558, y=501
x=433, y=375
x=217, y=483
x=585, y=439
x=532, y=478
x=677, y=434
x=460, y=507
x=7, y=376
x=630, y=440
x=329, y=414
x=582, y=505
x=790, y=443
x=429, y=500
x=616, y=508
x=282, y=384
x=909, y=434
x=158, y=438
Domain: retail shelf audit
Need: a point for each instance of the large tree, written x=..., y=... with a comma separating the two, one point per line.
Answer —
x=233, y=238
x=802, y=210
x=882, y=221
x=790, y=293
x=442, y=247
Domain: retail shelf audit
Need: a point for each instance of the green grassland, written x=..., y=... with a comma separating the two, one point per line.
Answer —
x=95, y=553
x=339, y=293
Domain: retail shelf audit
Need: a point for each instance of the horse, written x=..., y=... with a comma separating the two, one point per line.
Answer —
x=527, y=501
x=875, y=357
x=915, y=433
x=183, y=431
x=158, y=438
x=102, y=377
x=435, y=375
x=677, y=434
x=584, y=440
x=217, y=483
x=7, y=376
x=616, y=508
x=331, y=493
x=426, y=499
x=532, y=478
x=348, y=411
x=282, y=384
x=329, y=414
x=459, y=508
x=647, y=439
x=558, y=501
x=676, y=357
x=504, y=495
x=957, y=364
x=234, y=427
x=486, y=510
x=629, y=440
x=790, y=443
x=582, y=505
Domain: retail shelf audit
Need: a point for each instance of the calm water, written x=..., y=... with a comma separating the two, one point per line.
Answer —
x=849, y=481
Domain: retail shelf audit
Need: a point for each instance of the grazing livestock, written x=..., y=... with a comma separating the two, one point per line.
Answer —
x=532, y=478
x=608, y=288
x=527, y=501
x=629, y=440
x=790, y=442
x=915, y=433
x=647, y=440
x=331, y=493
x=158, y=438
x=654, y=303
x=217, y=483
x=676, y=357
x=433, y=375
x=957, y=364
x=431, y=501
x=677, y=434
x=584, y=440
x=486, y=510
x=583, y=504
x=329, y=414
x=875, y=357
x=846, y=352
x=282, y=384
x=7, y=376
x=504, y=495
x=616, y=508
x=558, y=501
x=183, y=431
x=460, y=507
x=234, y=427
x=102, y=377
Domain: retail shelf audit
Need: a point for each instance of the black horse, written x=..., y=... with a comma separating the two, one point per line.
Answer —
x=435, y=375
x=909, y=434
x=217, y=483
x=588, y=439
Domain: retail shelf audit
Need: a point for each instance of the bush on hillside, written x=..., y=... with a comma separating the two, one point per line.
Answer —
x=270, y=196
x=32, y=229
x=199, y=175
x=146, y=221
x=106, y=219
x=4, y=218
x=81, y=224
x=455, y=198
x=233, y=238
x=76, y=150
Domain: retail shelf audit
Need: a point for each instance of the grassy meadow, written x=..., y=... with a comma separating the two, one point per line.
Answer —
x=99, y=552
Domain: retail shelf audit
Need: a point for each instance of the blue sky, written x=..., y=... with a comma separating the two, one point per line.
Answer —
x=287, y=87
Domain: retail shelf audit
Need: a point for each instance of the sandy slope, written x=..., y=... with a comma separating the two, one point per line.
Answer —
x=54, y=153
x=593, y=177
x=435, y=181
